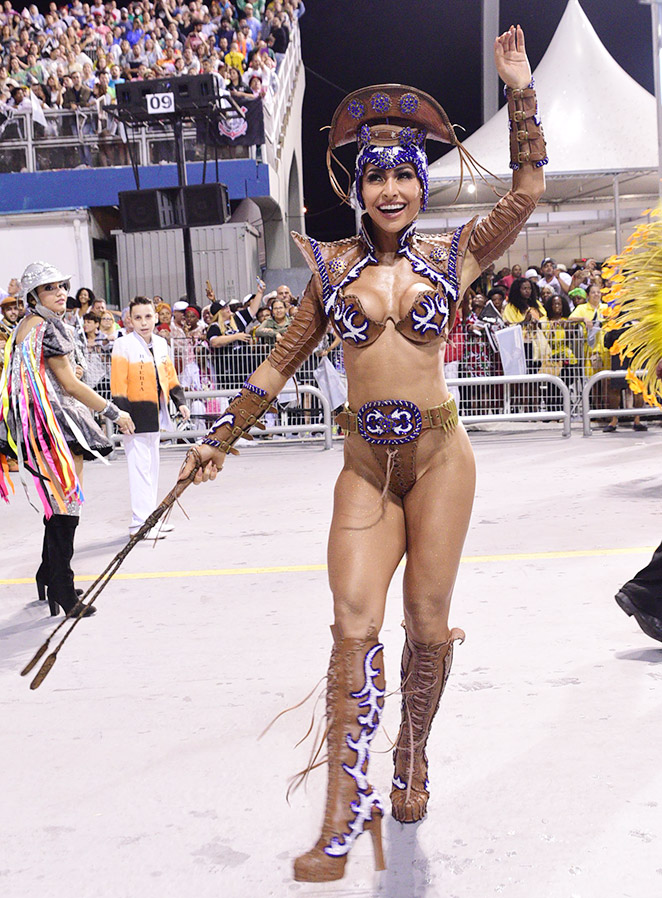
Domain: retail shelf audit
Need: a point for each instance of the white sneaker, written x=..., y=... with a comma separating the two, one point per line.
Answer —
x=154, y=533
x=165, y=528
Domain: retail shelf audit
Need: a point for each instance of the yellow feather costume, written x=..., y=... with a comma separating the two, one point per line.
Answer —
x=635, y=300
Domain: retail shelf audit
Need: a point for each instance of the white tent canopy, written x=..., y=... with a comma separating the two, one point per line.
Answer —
x=601, y=131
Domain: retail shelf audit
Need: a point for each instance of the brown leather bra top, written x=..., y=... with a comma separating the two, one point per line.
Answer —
x=428, y=317
x=424, y=322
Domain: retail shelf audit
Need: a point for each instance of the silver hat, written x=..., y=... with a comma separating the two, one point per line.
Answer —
x=39, y=273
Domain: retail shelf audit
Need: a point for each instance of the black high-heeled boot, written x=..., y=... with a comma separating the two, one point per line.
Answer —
x=42, y=574
x=61, y=530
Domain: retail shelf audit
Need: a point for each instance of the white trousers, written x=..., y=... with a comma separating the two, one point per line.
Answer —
x=142, y=458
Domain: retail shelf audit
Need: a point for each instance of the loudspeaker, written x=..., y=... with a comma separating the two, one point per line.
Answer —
x=151, y=210
x=162, y=97
x=205, y=204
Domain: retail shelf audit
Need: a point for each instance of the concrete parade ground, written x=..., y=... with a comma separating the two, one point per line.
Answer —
x=135, y=770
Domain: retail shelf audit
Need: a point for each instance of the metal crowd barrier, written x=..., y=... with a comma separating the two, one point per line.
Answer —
x=509, y=410
x=538, y=396
x=74, y=139
x=324, y=427
x=646, y=411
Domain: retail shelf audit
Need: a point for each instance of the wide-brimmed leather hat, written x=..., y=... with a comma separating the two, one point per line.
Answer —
x=397, y=105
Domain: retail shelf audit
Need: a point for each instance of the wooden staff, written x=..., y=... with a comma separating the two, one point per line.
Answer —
x=104, y=578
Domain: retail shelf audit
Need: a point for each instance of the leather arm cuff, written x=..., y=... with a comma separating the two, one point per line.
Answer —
x=498, y=231
x=244, y=412
x=527, y=141
x=302, y=336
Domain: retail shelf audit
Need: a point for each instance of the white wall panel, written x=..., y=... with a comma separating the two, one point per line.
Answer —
x=62, y=238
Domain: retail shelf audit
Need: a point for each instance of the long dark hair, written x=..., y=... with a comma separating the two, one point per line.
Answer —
x=515, y=295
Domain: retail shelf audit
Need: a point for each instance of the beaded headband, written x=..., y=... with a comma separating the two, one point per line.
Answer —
x=389, y=157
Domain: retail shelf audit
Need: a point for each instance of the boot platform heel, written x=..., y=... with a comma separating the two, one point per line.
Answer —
x=374, y=827
x=317, y=866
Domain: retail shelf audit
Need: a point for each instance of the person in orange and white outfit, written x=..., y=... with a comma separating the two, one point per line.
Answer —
x=142, y=381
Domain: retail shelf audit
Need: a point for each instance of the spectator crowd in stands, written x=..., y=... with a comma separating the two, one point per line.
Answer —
x=73, y=56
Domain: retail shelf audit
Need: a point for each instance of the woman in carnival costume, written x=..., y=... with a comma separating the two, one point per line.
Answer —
x=635, y=300
x=407, y=484
x=45, y=423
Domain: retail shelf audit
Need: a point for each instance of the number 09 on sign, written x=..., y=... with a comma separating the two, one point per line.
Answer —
x=157, y=104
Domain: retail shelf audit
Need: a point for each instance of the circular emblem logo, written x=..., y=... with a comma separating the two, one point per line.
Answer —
x=438, y=254
x=408, y=104
x=337, y=266
x=356, y=109
x=380, y=102
x=407, y=137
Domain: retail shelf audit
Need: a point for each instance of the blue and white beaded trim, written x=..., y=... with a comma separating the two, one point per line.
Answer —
x=321, y=267
x=452, y=254
x=420, y=266
x=247, y=385
x=226, y=418
x=529, y=86
x=345, y=315
x=432, y=305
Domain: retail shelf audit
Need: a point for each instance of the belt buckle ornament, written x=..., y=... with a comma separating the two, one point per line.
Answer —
x=389, y=422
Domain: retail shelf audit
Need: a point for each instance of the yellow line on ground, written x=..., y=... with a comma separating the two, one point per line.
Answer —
x=306, y=568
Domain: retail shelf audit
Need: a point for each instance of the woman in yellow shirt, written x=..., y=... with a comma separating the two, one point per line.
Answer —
x=593, y=313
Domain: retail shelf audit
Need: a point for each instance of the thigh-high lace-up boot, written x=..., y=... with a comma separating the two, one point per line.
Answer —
x=424, y=672
x=354, y=702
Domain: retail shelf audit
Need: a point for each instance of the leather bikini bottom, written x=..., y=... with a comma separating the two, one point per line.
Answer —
x=392, y=429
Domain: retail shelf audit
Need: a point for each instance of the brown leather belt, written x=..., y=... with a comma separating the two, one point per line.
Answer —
x=396, y=421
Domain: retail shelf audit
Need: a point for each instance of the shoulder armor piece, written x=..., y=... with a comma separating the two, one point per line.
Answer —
x=334, y=258
x=337, y=263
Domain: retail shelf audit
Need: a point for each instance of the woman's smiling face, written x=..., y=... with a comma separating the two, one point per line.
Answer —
x=392, y=196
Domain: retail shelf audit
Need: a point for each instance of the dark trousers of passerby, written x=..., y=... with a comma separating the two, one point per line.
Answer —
x=641, y=597
x=645, y=589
